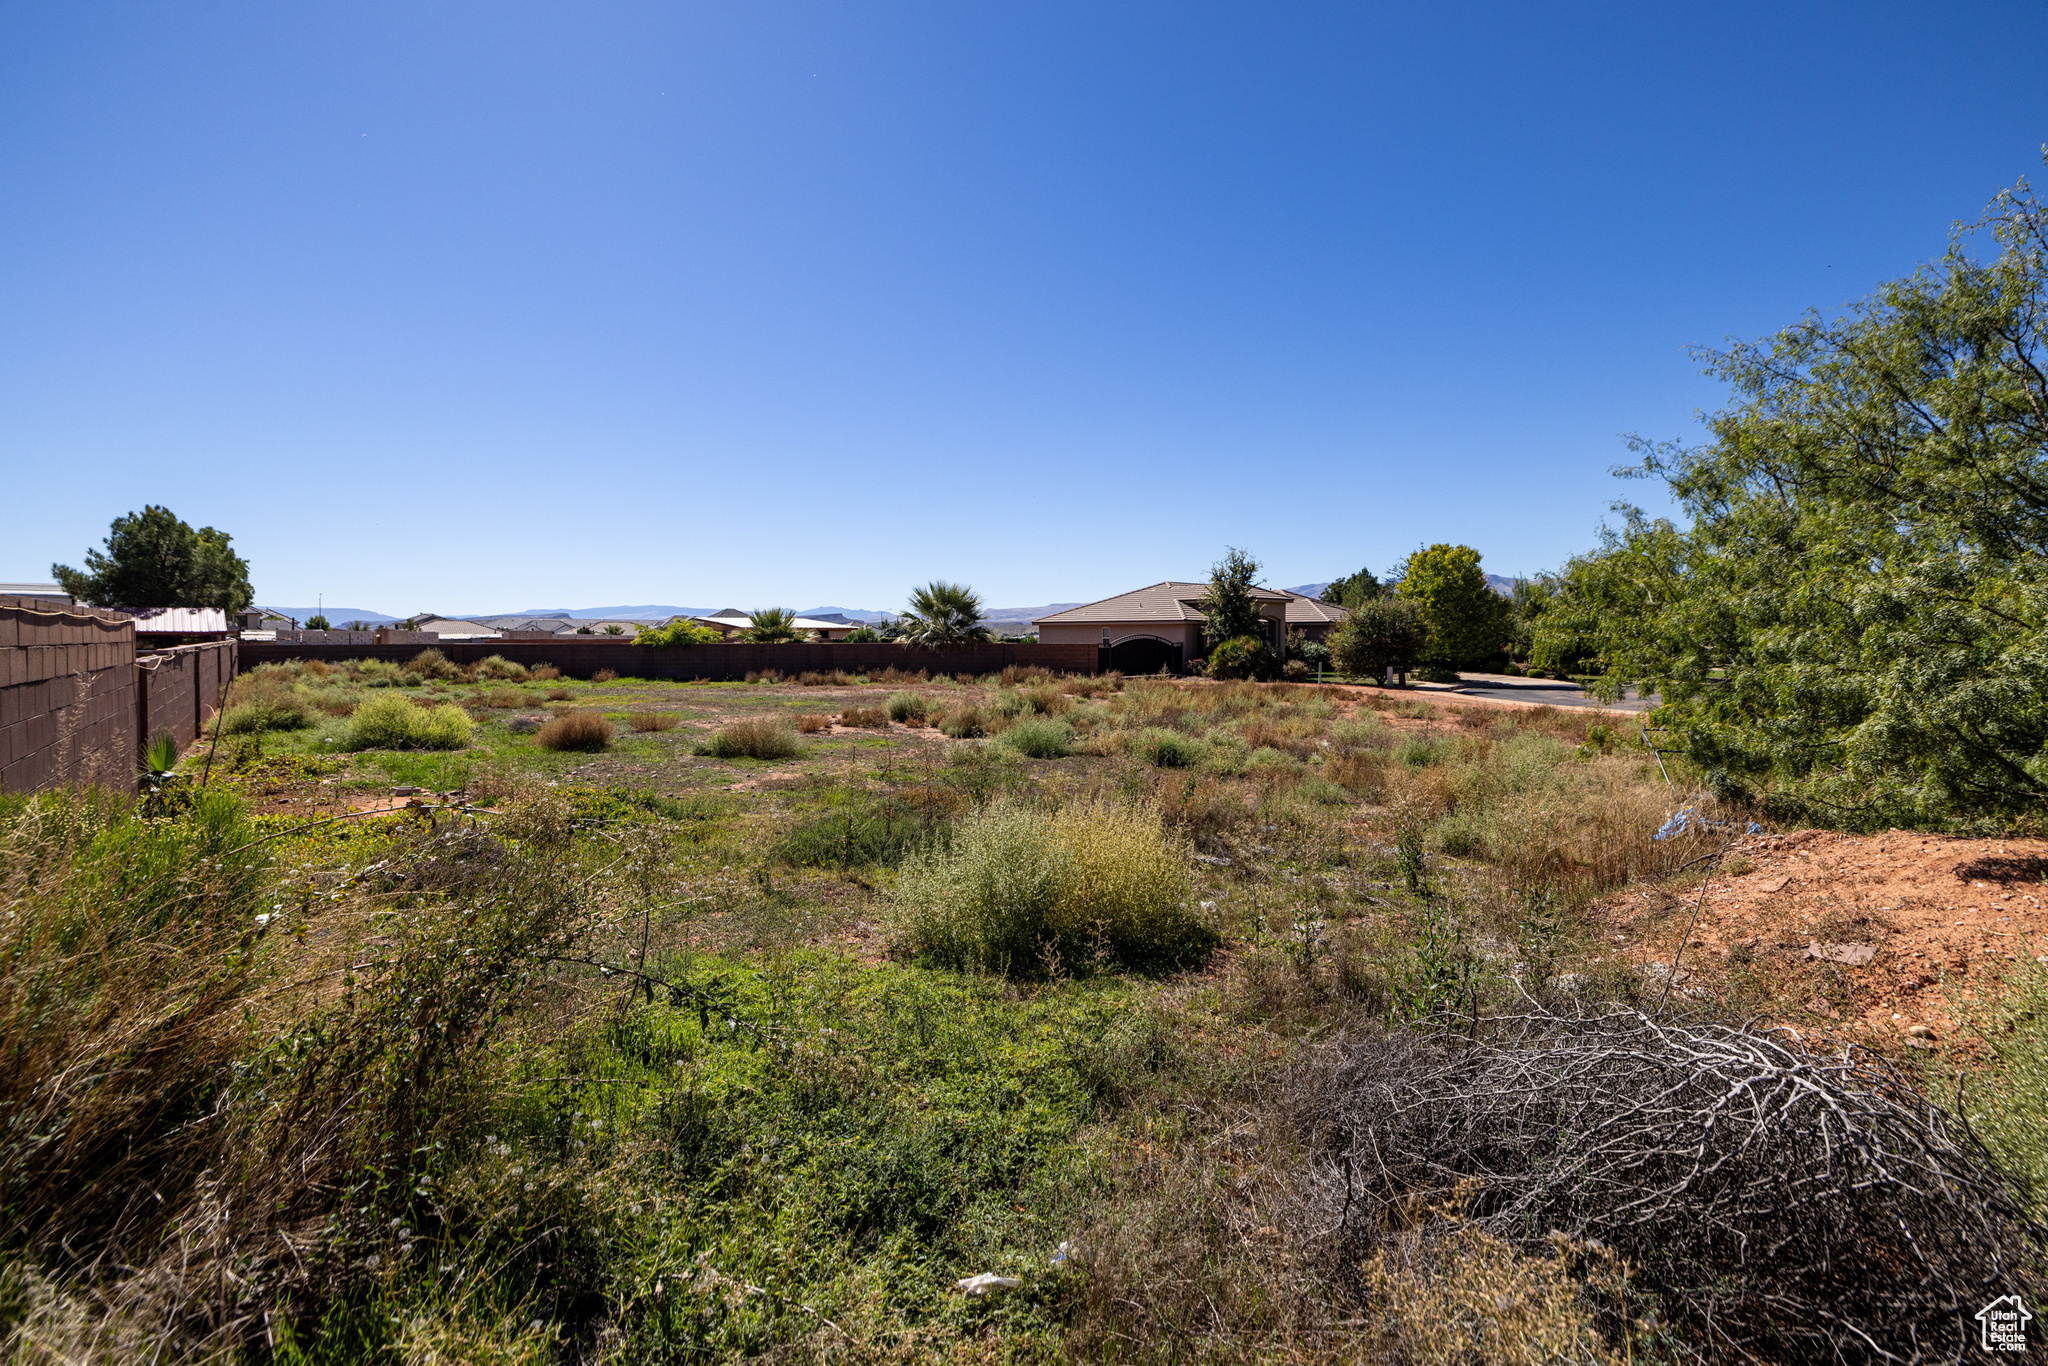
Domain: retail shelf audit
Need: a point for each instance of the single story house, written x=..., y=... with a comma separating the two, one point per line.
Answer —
x=730, y=621
x=1152, y=628
x=453, y=628
x=263, y=619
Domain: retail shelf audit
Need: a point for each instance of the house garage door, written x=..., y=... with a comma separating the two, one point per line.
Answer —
x=1144, y=655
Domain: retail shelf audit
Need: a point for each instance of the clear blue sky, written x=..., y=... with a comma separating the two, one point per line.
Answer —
x=494, y=306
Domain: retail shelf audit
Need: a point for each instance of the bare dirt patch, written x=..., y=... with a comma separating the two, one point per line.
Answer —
x=1867, y=936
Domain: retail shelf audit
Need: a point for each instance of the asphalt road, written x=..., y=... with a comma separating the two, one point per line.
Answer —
x=1558, y=692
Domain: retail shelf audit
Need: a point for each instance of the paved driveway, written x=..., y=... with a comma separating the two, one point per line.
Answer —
x=1558, y=692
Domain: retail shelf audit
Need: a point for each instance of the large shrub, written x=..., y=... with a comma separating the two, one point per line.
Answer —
x=1040, y=737
x=1243, y=657
x=1023, y=891
x=431, y=663
x=1380, y=634
x=500, y=668
x=391, y=722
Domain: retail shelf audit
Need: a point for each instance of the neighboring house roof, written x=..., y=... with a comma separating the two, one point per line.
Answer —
x=177, y=621
x=454, y=628
x=34, y=590
x=550, y=622
x=1159, y=603
x=731, y=620
x=1305, y=611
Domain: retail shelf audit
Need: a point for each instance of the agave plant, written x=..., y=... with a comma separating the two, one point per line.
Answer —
x=158, y=777
x=772, y=626
x=943, y=614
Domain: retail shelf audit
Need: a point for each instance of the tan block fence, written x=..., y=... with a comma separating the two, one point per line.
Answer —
x=77, y=704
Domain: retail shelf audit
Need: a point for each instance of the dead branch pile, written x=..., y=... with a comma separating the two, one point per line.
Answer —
x=1782, y=1204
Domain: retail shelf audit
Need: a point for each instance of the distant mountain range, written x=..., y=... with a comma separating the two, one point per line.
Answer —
x=337, y=615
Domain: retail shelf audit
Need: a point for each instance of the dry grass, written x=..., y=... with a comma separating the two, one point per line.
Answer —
x=865, y=717
x=653, y=720
x=896, y=677
x=560, y=695
x=812, y=723
x=836, y=678
x=753, y=737
x=502, y=698
x=575, y=730
x=605, y=676
x=544, y=673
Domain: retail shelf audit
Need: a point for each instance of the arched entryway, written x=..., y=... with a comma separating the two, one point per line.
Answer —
x=1145, y=655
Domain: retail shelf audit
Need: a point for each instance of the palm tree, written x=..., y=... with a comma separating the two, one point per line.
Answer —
x=943, y=614
x=772, y=626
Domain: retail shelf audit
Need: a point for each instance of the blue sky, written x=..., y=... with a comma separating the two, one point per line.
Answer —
x=495, y=306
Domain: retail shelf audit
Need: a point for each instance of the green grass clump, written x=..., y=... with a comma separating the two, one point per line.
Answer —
x=499, y=667
x=752, y=737
x=909, y=706
x=1023, y=891
x=390, y=722
x=1164, y=748
x=854, y=833
x=964, y=723
x=1040, y=737
x=267, y=714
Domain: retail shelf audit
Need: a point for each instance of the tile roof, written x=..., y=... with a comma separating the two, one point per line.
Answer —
x=1161, y=602
x=1302, y=611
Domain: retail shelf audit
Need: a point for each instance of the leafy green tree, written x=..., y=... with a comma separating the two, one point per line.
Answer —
x=154, y=559
x=1354, y=589
x=317, y=622
x=942, y=614
x=1231, y=609
x=1380, y=633
x=1466, y=620
x=771, y=626
x=676, y=634
x=1854, y=624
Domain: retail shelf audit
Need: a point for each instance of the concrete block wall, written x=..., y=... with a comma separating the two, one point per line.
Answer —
x=68, y=699
x=179, y=689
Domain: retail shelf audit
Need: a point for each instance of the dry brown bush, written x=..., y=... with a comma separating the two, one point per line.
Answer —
x=544, y=673
x=1296, y=736
x=870, y=717
x=559, y=695
x=1363, y=773
x=653, y=720
x=502, y=697
x=1749, y=1182
x=1014, y=674
x=604, y=676
x=811, y=722
x=752, y=737
x=895, y=676
x=583, y=729
x=765, y=676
